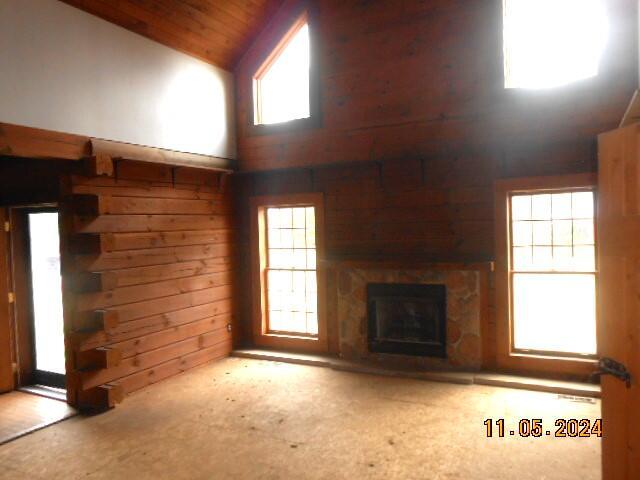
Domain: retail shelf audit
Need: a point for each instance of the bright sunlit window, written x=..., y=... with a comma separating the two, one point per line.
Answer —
x=281, y=85
x=552, y=272
x=549, y=43
x=291, y=270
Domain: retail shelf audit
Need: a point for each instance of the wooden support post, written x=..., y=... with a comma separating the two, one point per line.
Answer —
x=98, y=358
x=98, y=320
x=86, y=243
x=93, y=282
x=88, y=204
x=101, y=398
x=99, y=164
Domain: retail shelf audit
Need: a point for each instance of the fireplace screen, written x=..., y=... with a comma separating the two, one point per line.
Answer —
x=407, y=319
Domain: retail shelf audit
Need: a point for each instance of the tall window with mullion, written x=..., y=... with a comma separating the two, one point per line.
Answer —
x=553, y=272
x=291, y=271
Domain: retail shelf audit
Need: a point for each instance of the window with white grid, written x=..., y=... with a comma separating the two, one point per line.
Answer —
x=291, y=271
x=553, y=272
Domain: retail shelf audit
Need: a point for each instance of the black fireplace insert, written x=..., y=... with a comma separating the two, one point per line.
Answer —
x=408, y=319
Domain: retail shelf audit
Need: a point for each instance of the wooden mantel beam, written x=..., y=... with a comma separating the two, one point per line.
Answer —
x=20, y=141
x=141, y=153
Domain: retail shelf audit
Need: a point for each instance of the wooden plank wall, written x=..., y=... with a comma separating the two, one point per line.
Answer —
x=416, y=126
x=147, y=276
x=419, y=78
x=435, y=209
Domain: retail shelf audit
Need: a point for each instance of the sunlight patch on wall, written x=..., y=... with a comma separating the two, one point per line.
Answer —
x=193, y=111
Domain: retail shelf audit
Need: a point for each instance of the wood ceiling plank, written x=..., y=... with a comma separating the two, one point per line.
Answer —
x=233, y=10
x=165, y=24
x=197, y=11
x=172, y=15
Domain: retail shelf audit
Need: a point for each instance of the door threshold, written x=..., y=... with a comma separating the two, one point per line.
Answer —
x=571, y=389
x=45, y=391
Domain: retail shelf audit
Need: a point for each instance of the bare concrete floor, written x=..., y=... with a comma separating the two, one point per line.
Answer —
x=248, y=419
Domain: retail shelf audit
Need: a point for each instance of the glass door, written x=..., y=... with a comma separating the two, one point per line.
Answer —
x=46, y=298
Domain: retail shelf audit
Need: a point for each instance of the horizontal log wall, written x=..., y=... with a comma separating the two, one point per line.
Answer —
x=147, y=261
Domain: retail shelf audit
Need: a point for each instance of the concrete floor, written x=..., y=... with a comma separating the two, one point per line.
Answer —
x=247, y=419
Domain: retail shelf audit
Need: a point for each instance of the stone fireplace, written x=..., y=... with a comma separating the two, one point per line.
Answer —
x=461, y=305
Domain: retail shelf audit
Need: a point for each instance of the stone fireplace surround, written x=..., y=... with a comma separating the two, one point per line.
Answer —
x=465, y=308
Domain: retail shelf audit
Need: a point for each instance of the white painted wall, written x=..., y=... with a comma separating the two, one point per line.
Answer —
x=65, y=70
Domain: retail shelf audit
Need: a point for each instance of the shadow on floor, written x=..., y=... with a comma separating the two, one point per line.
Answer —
x=22, y=413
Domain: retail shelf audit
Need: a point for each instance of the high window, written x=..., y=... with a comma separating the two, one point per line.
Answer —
x=548, y=43
x=553, y=272
x=281, y=84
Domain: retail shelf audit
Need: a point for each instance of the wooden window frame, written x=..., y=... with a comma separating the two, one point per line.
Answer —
x=304, y=13
x=261, y=336
x=8, y=378
x=507, y=358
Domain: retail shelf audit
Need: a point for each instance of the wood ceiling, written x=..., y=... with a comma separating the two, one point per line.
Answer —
x=216, y=31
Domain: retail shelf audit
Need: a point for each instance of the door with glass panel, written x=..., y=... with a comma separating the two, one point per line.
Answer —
x=288, y=285
x=38, y=292
x=292, y=299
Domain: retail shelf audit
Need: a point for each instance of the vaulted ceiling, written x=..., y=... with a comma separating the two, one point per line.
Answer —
x=216, y=31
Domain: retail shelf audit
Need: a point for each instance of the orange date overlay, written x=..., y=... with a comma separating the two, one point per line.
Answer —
x=533, y=427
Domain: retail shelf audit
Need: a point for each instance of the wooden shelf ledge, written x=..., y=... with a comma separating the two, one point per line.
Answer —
x=405, y=264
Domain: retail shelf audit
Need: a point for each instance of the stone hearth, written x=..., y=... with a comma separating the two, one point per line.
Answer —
x=463, y=315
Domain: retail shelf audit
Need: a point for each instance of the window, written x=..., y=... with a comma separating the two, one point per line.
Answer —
x=291, y=270
x=552, y=272
x=287, y=243
x=545, y=276
x=548, y=43
x=281, y=84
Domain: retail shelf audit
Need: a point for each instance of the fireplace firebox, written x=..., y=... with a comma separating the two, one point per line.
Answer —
x=408, y=319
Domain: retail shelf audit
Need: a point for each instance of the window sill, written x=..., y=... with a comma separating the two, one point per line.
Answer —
x=292, y=336
x=561, y=358
x=297, y=125
x=546, y=365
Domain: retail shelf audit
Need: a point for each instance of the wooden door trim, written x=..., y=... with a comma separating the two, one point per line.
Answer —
x=258, y=206
x=23, y=316
x=23, y=309
x=619, y=223
x=506, y=359
x=7, y=350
